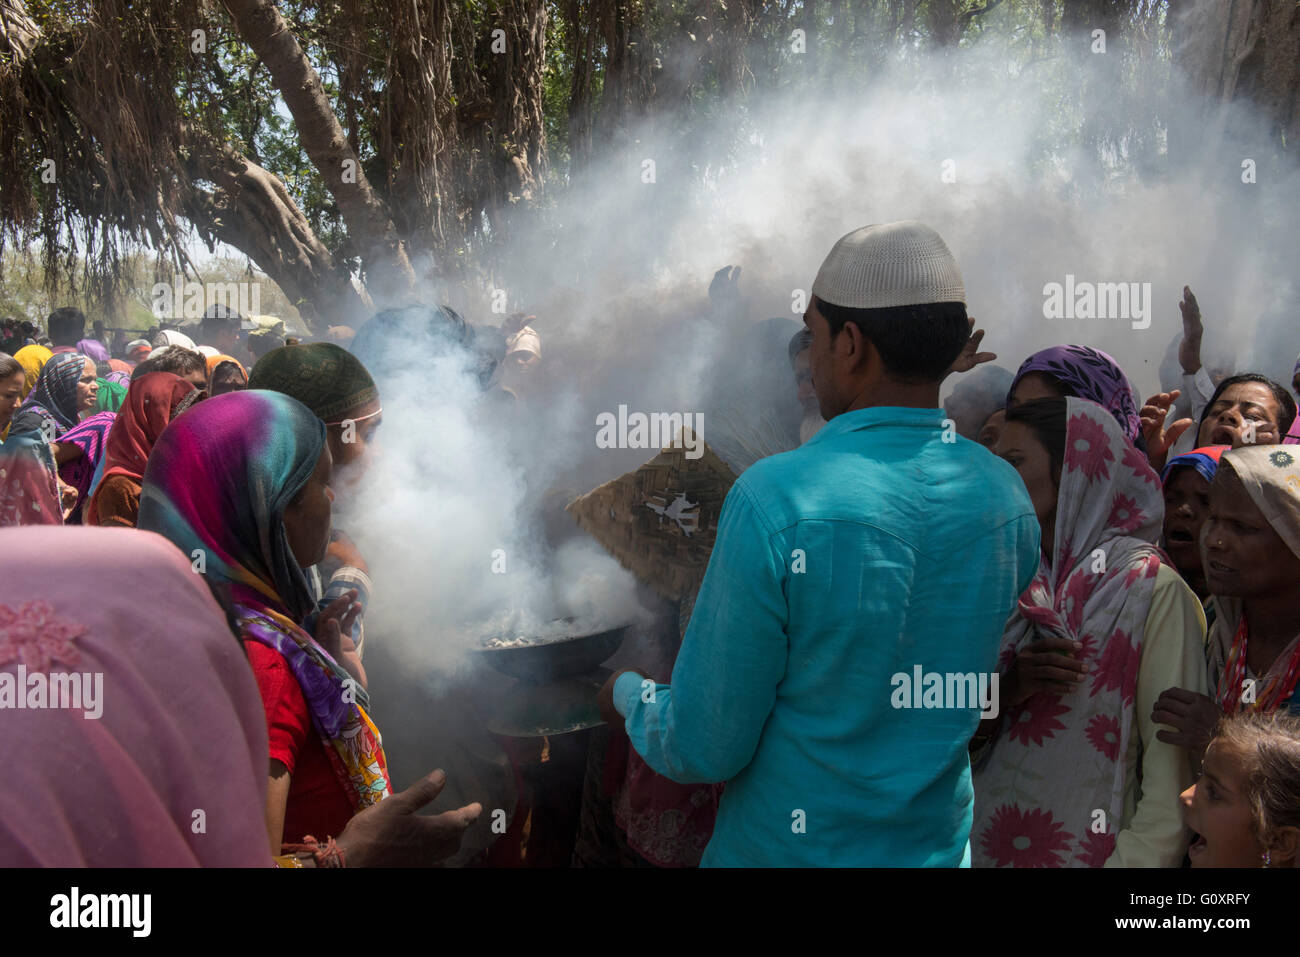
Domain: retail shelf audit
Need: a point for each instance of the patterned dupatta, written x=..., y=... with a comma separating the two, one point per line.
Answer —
x=1058, y=758
x=1271, y=477
x=53, y=399
x=29, y=487
x=151, y=402
x=337, y=703
x=89, y=437
x=1230, y=675
x=218, y=480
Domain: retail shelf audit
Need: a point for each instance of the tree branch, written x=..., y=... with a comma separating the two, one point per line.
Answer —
x=370, y=227
x=970, y=15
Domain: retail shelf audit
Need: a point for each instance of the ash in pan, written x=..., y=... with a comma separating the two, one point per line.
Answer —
x=560, y=630
x=518, y=642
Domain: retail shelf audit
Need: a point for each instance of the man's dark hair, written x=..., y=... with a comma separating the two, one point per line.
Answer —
x=219, y=318
x=1048, y=419
x=916, y=343
x=260, y=343
x=67, y=326
x=174, y=359
x=1280, y=393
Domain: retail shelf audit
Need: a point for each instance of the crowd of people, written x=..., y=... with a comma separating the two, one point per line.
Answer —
x=1126, y=582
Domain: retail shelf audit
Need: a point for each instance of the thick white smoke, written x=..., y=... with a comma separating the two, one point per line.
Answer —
x=617, y=274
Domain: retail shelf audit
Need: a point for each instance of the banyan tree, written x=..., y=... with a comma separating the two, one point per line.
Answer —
x=357, y=151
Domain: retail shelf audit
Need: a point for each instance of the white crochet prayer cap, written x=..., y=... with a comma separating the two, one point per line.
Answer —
x=889, y=264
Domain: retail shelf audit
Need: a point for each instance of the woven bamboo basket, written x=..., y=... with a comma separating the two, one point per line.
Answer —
x=661, y=520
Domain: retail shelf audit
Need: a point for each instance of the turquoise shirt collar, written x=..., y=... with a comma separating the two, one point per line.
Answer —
x=880, y=415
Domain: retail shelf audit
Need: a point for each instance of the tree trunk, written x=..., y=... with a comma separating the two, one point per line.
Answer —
x=581, y=51
x=942, y=17
x=253, y=212
x=627, y=88
x=18, y=32
x=371, y=232
x=1240, y=50
x=517, y=95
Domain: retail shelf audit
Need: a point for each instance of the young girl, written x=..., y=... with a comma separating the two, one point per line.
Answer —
x=1245, y=807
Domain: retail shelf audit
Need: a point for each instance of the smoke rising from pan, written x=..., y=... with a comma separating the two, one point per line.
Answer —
x=617, y=274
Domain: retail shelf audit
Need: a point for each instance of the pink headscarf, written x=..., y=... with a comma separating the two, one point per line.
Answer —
x=173, y=771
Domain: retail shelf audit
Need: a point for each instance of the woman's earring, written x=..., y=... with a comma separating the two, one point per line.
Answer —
x=1267, y=859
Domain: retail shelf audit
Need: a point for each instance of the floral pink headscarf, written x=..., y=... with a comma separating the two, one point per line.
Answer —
x=1058, y=758
x=172, y=772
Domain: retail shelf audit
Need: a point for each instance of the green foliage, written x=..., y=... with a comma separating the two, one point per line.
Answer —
x=694, y=65
x=24, y=293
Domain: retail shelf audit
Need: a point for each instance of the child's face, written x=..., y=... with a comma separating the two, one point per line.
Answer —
x=1187, y=503
x=1216, y=808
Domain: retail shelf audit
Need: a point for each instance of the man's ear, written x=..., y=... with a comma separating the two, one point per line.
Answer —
x=847, y=344
x=858, y=349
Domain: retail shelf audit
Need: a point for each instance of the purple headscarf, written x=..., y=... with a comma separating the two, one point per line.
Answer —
x=94, y=349
x=1088, y=374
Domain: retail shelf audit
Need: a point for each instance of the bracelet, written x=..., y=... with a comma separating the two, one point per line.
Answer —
x=328, y=854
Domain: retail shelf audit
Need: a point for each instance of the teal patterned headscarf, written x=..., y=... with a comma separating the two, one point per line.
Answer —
x=219, y=479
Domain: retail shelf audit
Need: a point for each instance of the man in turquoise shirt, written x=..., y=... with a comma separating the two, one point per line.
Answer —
x=884, y=549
